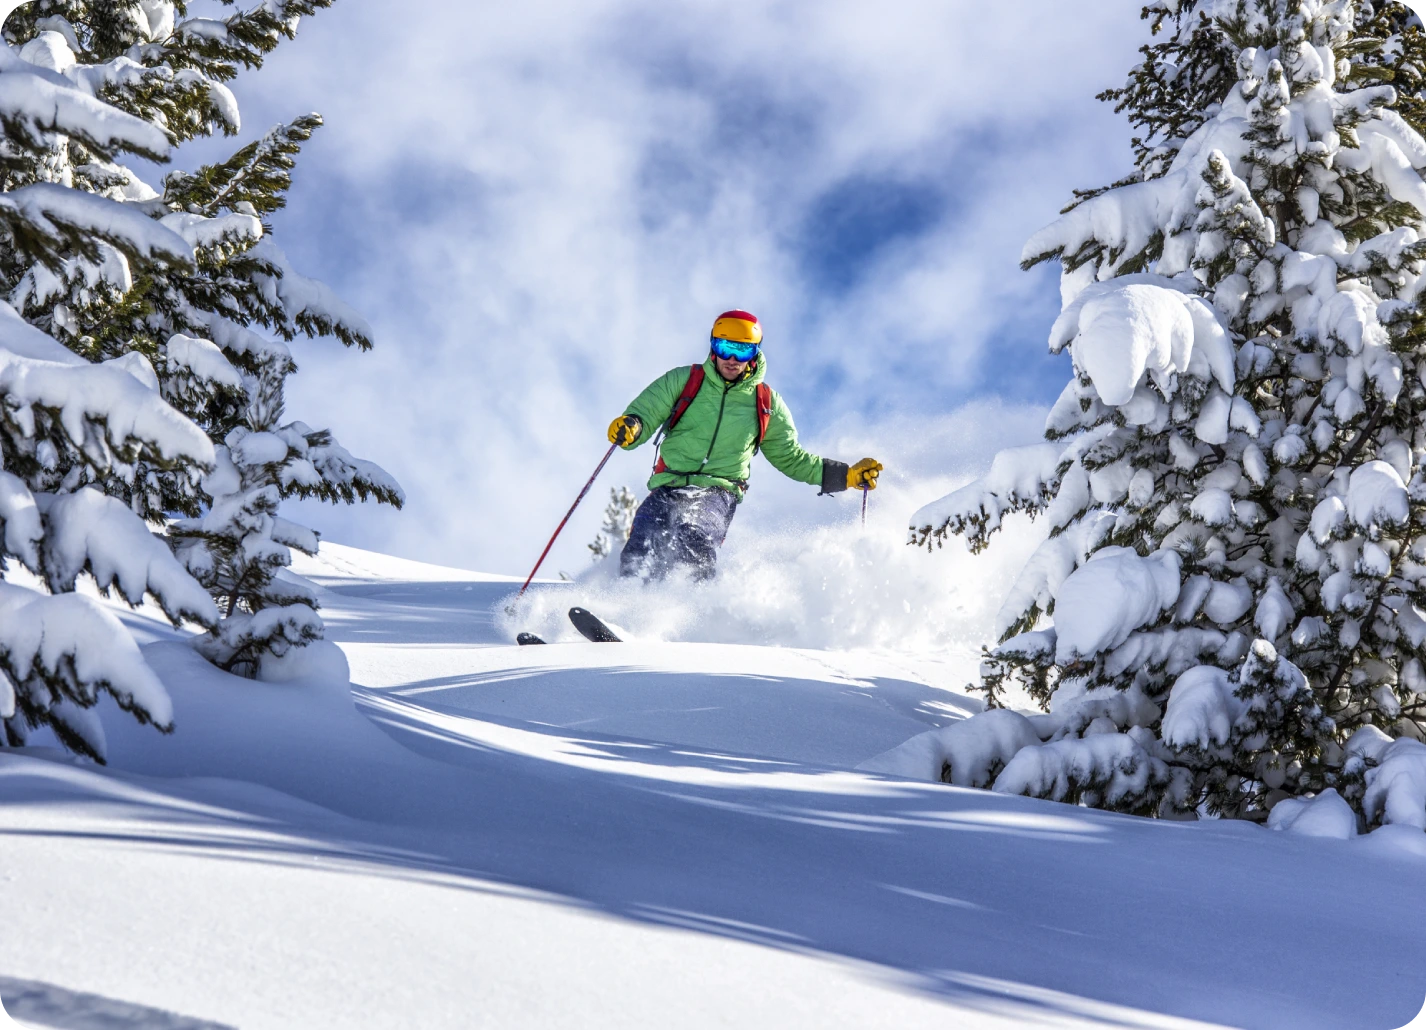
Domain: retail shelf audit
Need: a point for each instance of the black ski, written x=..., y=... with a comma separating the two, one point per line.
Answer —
x=528, y=638
x=590, y=626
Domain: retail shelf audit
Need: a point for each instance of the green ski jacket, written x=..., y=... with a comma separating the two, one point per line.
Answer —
x=712, y=445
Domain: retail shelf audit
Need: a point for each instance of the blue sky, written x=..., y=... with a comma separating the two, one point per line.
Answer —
x=542, y=209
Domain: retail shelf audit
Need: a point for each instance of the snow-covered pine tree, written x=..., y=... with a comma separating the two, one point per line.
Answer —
x=66, y=422
x=205, y=330
x=1229, y=608
x=237, y=546
x=618, y=522
x=236, y=386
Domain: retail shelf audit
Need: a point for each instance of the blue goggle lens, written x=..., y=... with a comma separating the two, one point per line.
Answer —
x=731, y=350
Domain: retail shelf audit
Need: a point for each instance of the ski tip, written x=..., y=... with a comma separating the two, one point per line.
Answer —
x=528, y=638
x=590, y=626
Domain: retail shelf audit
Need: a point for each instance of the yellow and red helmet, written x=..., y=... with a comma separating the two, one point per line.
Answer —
x=738, y=326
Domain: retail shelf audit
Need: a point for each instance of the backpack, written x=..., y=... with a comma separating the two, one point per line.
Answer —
x=762, y=392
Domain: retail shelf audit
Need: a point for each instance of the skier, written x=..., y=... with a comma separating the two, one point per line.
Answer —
x=713, y=419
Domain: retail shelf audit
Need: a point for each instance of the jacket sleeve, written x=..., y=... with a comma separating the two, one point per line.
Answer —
x=791, y=459
x=656, y=403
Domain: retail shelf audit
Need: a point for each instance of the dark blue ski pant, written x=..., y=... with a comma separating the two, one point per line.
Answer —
x=678, y=526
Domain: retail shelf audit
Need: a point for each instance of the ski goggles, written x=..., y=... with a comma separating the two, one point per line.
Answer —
x=732, y=350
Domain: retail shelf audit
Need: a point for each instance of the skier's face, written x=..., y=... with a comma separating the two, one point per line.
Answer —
x=728, y=368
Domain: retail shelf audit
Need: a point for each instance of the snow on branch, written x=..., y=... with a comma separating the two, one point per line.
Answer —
x=1324, y=815
x=48, y=221
x=1110, y=769
x=1203, y=709
x=242, y=38
x=259, y=175
x=1396, y=788
x=307, y=305
x=1005, y=751
x=200, y=361
x=22, y=525
x=1038, y=582
x=1395, y=777
x=969, y=753
x=1376, y=496
x=1020, y=479
x=89, y=532
x=317, y=466
x=242, y=639
x=1127, y=220
x=237, y=339
x=1109, y=597
x=67, y=648
x=1121, y=330
x=35, y=102
x=229, y=233
x=92, y=402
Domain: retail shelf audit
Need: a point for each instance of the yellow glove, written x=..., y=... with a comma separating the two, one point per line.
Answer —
x=625, y=429
x=863, y=473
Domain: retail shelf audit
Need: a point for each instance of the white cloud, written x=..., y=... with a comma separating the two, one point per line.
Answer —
x=541, y=206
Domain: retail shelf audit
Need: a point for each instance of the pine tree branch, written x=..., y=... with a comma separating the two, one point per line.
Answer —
x=1346, y=662
x=1365, y=434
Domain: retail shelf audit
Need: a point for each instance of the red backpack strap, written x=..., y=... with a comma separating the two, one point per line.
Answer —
x=690, y=391
x=764, y=402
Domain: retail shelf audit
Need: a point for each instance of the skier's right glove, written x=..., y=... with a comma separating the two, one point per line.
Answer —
x=625, y=429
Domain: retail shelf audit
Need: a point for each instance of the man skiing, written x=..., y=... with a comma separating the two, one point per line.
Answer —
x=712, y=419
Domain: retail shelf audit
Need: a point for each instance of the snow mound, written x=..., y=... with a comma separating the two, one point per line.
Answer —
x=319, y=662
x=975, y=750
x=1326, y=815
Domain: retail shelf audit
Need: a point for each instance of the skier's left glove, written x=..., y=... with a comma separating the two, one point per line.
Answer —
x=863, y=474
x=625, y=429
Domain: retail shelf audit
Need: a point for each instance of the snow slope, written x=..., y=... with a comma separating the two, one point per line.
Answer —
x=646, y=834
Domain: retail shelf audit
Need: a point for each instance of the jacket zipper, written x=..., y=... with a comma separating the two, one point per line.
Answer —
x=716, y=425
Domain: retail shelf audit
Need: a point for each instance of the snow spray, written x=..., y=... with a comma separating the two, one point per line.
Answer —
x=787, y=583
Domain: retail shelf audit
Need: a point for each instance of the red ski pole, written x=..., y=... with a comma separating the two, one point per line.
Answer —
x=607, y=455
